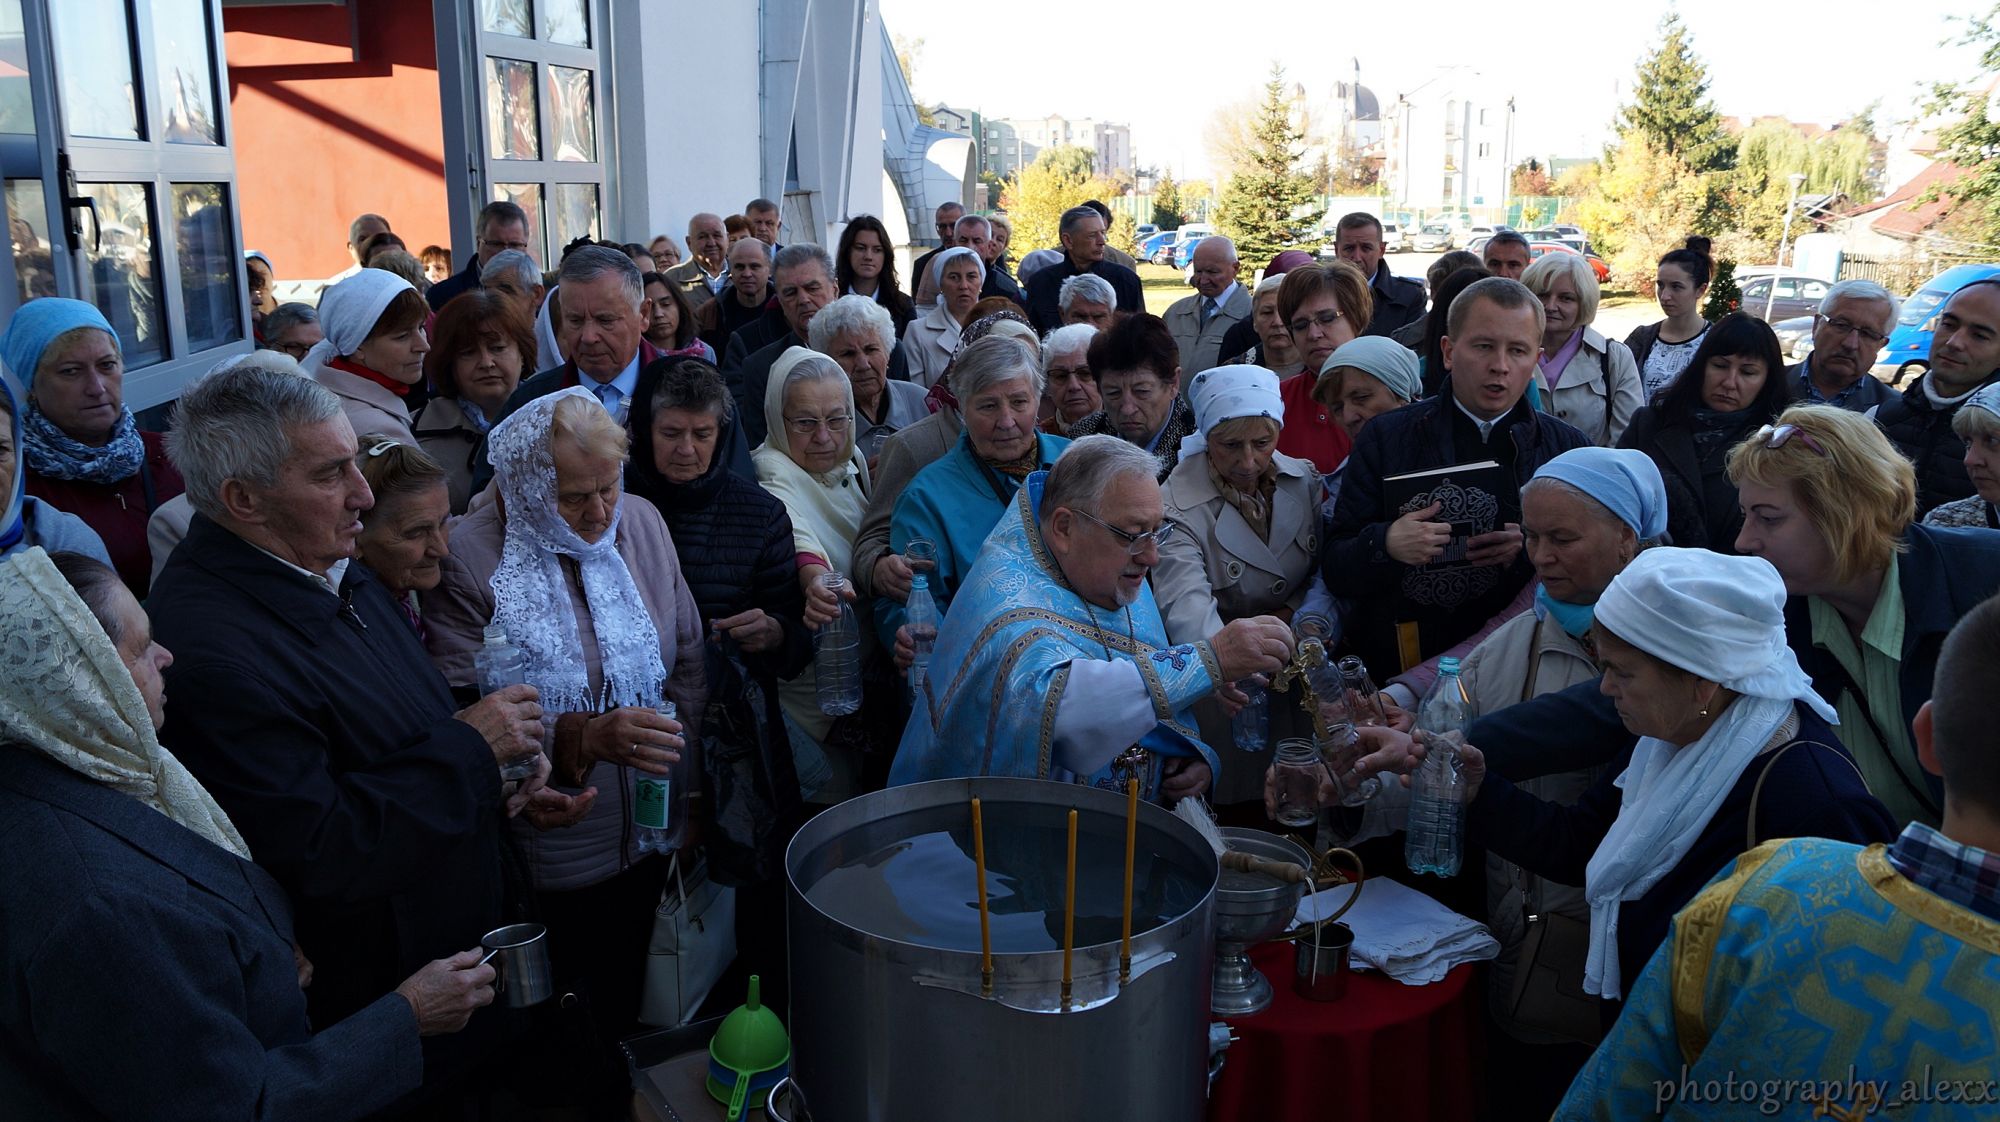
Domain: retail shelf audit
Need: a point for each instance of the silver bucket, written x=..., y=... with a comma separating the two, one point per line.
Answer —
x=889, y=1023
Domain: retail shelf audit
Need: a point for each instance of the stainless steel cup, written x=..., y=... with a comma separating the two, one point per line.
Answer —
x=1320, y=972
x=519, y=953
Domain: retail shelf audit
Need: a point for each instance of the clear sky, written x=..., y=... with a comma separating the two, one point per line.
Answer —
x=1164, y=65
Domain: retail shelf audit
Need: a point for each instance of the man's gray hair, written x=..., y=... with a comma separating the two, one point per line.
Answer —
x=1075, y=216
x=237, y=423
x=1069, y=339
x=991, y=361
x=1502, y=292
x=799, y=253
x=1858, y=289
x=1086, y=286
x=515, y=264
x=287, y=316
x=1508, y=237
x=860, y=315
x=360, y=220
x=973, y=220
x=590, y=263
x=1088, y=467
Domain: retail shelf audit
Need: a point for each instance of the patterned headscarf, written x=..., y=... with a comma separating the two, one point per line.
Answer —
x=66, y=693
x=530, y=596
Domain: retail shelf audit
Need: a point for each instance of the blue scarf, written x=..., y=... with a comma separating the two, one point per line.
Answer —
x=1574, y=619
x=54, y=454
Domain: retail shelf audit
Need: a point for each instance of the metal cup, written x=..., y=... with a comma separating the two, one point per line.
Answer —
x=519, y=953
x=1320, y=972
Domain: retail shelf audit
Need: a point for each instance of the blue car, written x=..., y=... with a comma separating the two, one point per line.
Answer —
x=1184, y=251
x=1908, y=350
x=1158, y=248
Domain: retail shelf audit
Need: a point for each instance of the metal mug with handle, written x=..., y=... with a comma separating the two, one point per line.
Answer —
x=521, y=974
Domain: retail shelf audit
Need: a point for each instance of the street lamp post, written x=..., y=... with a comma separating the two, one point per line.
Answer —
x=1798, y=179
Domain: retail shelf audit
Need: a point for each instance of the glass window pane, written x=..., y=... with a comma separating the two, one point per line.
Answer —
x=211, y=294
x=527, y=196
x=27, y=229
x=575, y=211
x=565, y=21
x=186, y=70
x=575, y=113
x=508, y=17
x=17, y=107
x=513, y=124
x=121, y=272
x=94, y=67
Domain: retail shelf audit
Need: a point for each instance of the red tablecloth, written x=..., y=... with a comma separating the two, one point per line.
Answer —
x=1384, y=1052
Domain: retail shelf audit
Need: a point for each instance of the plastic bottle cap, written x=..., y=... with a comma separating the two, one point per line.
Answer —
x=1447, y=665
x=917, y=581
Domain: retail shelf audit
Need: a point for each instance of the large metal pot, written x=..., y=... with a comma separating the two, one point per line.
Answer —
x=889, y=1022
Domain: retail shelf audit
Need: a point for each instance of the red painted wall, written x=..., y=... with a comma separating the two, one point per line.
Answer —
x=336, y=113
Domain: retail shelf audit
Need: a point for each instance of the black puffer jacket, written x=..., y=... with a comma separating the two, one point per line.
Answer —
x=734, y=541
x=1921, y=429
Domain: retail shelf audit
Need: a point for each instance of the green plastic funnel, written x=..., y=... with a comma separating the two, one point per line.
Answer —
x=748, y=1056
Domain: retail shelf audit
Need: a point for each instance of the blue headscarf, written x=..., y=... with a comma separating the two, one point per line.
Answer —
x=11, y=530
x=1625, y=482
x=38, y=323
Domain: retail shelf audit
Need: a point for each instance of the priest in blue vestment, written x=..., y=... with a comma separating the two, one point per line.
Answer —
x=1053, y=662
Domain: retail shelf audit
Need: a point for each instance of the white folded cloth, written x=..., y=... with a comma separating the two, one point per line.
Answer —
x=1402, y=932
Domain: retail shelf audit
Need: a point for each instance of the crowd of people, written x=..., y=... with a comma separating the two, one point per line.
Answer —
x=1704, y=602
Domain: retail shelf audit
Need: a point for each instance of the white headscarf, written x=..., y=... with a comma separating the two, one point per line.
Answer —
x=1224, y=393
x=1723, y=620
x=825, y=507
x=348, y=312
x=946, y=256
x=65, y=692
x=530, y=597
x=548, y=352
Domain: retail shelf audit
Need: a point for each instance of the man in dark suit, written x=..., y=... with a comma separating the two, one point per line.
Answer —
x=1965, y=357
x=502, y=226
x=1399, y=301
x=805, y=285
x=946, y=221
x=301, y=697
x=1082, y=233
x=1853, y=324
x=743, y=301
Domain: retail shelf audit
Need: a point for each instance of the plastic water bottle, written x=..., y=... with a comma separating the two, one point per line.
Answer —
x=1250, y=728
x=658, y=802
x=837, y=655
x=920, y=614
x=1434, y=839
x=499, y=664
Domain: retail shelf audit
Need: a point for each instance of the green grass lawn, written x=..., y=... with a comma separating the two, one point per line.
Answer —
x=1163, y=284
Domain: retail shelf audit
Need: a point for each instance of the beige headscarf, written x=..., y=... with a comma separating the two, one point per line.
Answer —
x=66, y=693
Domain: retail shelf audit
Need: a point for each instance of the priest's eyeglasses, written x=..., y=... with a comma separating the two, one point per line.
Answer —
x=1135, y=544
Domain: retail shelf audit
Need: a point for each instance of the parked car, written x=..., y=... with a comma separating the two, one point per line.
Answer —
x=1143, y=231
x=1474, y=233
x=1477, y=246
x=1575, y=241
x=1597, y=265
x=1782, y=296
x=1184, y=248
x=1393, y=238
x=1908, y=350
x=1435, y=237
x=1158, y=248
x=1794, y=337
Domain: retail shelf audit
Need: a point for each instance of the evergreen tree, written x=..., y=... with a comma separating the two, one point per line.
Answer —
x=1267, y=195
x=1670, y=106
x=1167, y=203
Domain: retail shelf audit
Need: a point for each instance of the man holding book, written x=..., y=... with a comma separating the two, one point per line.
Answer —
x=1426, y=538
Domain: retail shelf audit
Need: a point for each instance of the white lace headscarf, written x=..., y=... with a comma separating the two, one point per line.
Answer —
x=66, y=693
x=530, y=597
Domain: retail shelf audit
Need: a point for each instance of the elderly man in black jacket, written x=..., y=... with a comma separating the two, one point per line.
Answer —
x=302, y=698
x=1083, y=246
x=1393, y=562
